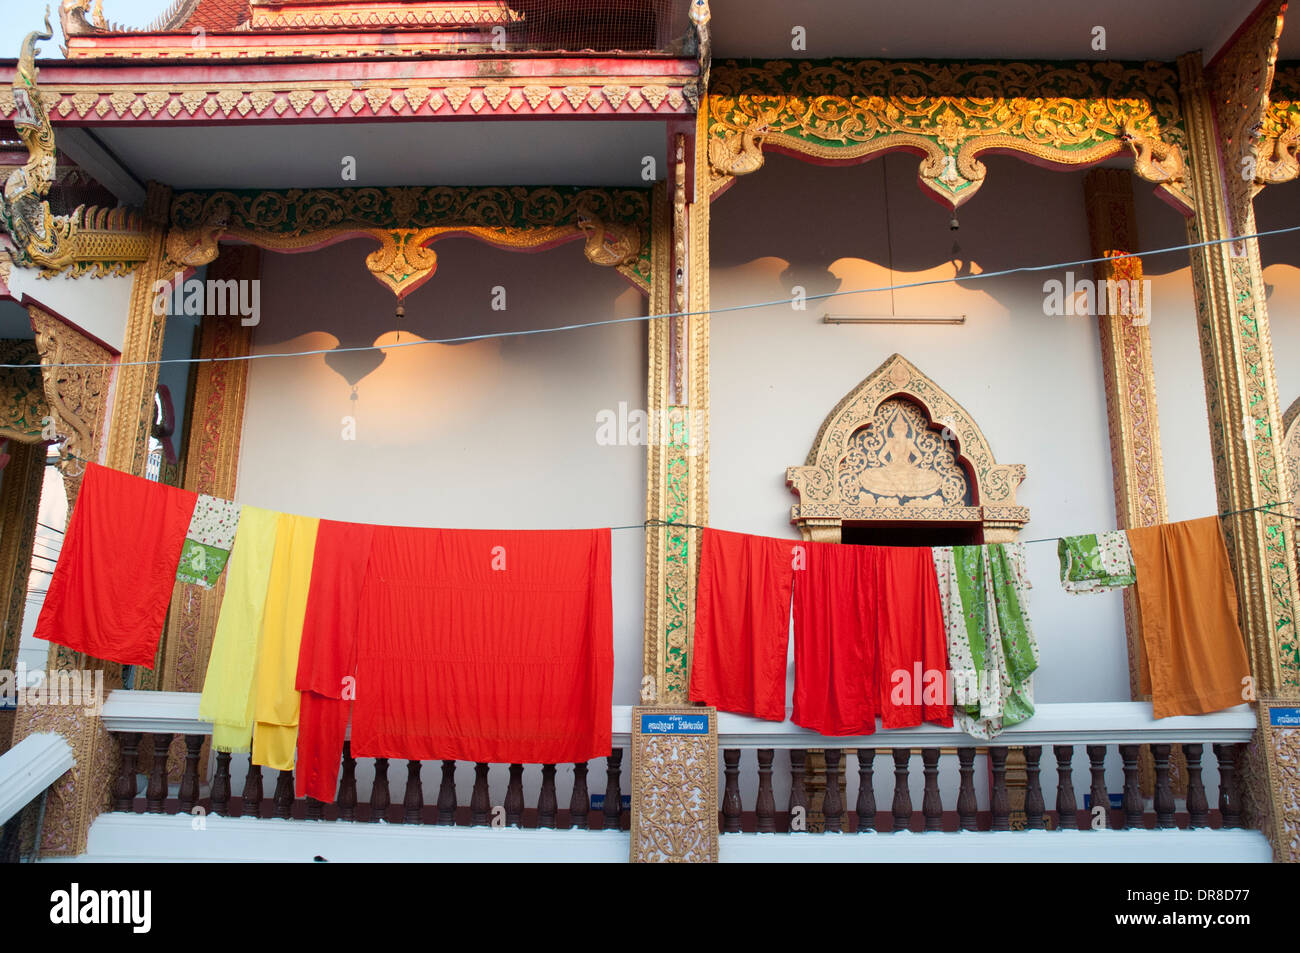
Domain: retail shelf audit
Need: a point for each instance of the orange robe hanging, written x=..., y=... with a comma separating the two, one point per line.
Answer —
x=1195, y=659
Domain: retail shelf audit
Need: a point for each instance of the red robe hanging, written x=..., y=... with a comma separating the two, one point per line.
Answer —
x=109, y=593
x=869, y=639
x=742, y=623
x=472, y=645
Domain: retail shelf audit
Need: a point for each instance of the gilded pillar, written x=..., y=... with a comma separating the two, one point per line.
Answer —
x=212, y=465
x=1241, y=397
x=1220, y=109
x=137, y=378
x=20, y=501
x=677, y=394
x=137, y=375
x=1127, y=372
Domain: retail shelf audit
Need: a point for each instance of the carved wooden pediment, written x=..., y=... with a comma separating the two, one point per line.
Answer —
x=899, y=448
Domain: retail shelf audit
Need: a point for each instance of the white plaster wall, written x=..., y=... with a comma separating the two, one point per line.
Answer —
x=1032, y=382
x=97, y=306
x=1176, y=359
x=1279, y=207
x=493, y=434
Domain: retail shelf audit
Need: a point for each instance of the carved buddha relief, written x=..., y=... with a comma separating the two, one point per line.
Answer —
x=900, y=459
x=899, y=448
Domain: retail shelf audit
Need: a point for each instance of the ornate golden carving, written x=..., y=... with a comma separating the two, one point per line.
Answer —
x=77, y=396
x=405, y=220
x=889, y=433
x=674, y=790
x=1128, y=376
x=1241, y=397
x=20, y=500
x=950, y=113
x=40, y=238
x=1291, y=453
x=81, y=795
x=22, y=397
x=1239, y=82
x=1271, y=781
x=1276, y=149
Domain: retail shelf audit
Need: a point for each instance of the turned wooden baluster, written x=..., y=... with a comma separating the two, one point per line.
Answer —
x=380, y=799
x=514, y=802
x=480, y=799
x=124, y=791
x=1000, y=800
x=1067, y=809
x=731, y=791
x=1133, y=803
x=1034, y=805
x=967, y=806
x=447, y=795
x=284, y=795
x=1198, y=807
x=347, y=799
x=931, y=802
x=798, y=794
x=1164, y=797
x=219, y=797
x=413, y=800
x=1229, y=798
x=902, y=795
x=866, y=806
x=252, y=796
x=580, y=800
x=832, y=801
x=547, y=803
x=1098, y=794
x=765, y=804
x=315, y=809
x=156, y=793
x=613, y=807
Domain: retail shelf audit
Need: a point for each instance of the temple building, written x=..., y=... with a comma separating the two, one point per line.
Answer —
x=872, y=275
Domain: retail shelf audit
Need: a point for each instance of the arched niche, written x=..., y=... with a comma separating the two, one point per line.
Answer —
x=899, y=449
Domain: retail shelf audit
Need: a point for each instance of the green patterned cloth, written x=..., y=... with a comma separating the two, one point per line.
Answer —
x=1097, y=562
x=208, y=541
x=992, y=652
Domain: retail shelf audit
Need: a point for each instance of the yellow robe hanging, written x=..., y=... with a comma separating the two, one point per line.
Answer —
x=227, y=699
x=275, y=732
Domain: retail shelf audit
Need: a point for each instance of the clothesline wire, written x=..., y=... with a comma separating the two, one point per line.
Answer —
x=491, y=335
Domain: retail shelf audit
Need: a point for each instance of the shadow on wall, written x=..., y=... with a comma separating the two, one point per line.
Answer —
x=901, y=229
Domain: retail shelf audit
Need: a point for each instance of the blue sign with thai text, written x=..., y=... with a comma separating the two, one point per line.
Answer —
x=1284, y=717
x=674, y=724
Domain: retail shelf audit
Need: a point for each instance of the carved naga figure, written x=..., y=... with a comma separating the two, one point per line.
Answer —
x=72, y=15
x=41, y=238
x=609, y=244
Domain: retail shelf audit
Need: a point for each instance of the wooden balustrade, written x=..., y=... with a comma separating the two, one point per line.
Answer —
x=1162, y=812
x=942, y=805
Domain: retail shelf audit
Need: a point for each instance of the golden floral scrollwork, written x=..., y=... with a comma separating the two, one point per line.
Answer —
x=1291, y=452
x=22, y=396
x=898, y=447
x=402, y=263
x=948, y=113
x=85, y=791
x=615, y=223
x=674, y=789
x=1271, y=779
x=76, y=396
x=1240, y=80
